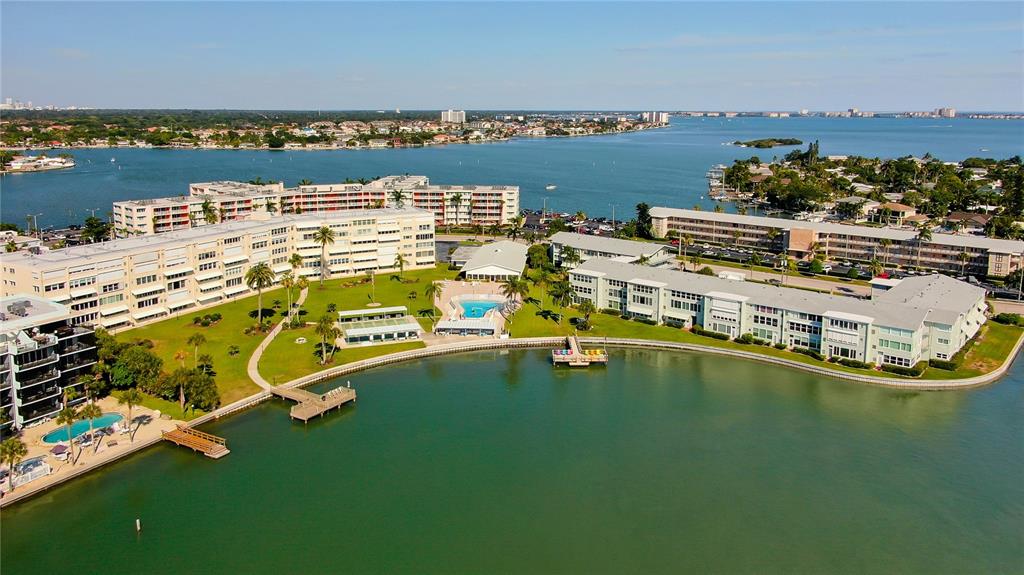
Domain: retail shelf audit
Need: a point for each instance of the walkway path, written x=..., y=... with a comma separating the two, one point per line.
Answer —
x=254, y=360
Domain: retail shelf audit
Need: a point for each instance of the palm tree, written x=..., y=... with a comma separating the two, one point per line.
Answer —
x=570, y=257
x=400, y=263
x=333, y=336
x=372, y=276
x=885, y=243
x=196, y=340
x=67, y=417
x=259, y=277
x=12, y=451
x=754, y=260
x=209, y=212
x=91, y=411
x=784, y=264
x=875, y=267
x=772, y=234
x=398, y=198
x=695, y=260
x=964, y=257
x=288, y=282
x=561, y=295
x=514, y=287
x=924, y=234
x=586, y=308
x=516, y=227
x=270, y=206
x=130, y=397
x=295, y=260
x=11, y=247
x=684, y=245
x=305, y=182
x=433, y=291
x=180, y=355
x=324, y=329
x=581, y=217
x=456, y=200
x=323, y=236
x=542, y=278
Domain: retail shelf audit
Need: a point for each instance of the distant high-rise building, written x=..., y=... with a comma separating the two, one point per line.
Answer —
x=655, y=117
x=454, y=116
x=945, y=112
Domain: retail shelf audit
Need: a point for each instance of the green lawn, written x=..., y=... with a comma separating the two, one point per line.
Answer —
x=285, y=360
x=986, y=353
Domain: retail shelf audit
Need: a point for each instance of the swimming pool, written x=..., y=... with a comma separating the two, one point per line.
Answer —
x=80, y=427
x=477, y=308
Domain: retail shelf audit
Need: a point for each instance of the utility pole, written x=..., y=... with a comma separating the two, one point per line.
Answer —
x=92, y=211
x=33, y=223
x=613, y=218
x=544, y=210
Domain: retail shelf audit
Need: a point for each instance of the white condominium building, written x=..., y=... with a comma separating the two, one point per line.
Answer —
x=921, y=318
x=454, y=116
x=216, y=202
x=133, y=280
x=946, y=252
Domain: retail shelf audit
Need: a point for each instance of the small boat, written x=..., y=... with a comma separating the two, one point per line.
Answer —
x=550, y=187
x=112, y=160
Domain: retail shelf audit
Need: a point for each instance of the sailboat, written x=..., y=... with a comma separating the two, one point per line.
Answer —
x=112, y=160
x=550, y=187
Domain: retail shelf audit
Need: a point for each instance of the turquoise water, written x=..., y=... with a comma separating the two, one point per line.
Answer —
x=496, y=463
x=662, y=167
x=475, y=309
x=80, y=427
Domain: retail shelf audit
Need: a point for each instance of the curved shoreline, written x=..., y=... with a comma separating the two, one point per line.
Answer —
x=541, y=342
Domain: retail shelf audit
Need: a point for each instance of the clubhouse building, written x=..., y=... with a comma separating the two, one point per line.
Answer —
x=135, y=280
x=628, y=251
x=213, y=202
x=944, y=252
x=921, y=318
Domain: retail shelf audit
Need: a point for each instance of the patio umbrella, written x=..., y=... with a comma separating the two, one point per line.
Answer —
x=59, y=449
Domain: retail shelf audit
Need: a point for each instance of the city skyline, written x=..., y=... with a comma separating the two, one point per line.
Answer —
x=522, y=56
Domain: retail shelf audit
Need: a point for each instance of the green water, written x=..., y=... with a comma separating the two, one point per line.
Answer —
x=496, y=463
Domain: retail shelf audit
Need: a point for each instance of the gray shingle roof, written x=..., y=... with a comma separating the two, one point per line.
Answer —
x=606, y=245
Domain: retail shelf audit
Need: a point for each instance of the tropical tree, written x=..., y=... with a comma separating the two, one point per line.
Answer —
x=131, y=398
x=785, y=263
x=91, y=411
x=514, y=287
x=684, y=244
x=12, y=451
x=372, y=276
x=259, y=277
x=400, y=263
x=180, y=355
x=398, y=198
x=561, y=295
x=305, y=182
x=875, y=267
x=323, y=236
x=67, y=417
x=10, y=247
x=433, y=291
x=456, y=201
x=288, y=282
x=924, y=234
x=295, y=260
x=964, y=257
x=695, y=261
x=586, y=308
x=570, y=256
x=196, y=340
x=541, y=278
x=772, y=234
x=325, y=329
x=209, y=212
x=885, y=243
x=516, y=227
x=580, y=217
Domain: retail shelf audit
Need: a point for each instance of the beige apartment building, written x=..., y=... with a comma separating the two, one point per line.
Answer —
x=893, y=247
x=214, y=202
x=129, y=281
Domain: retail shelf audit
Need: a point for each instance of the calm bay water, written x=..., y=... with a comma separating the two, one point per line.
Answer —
x=489, y=462
x=660, y=167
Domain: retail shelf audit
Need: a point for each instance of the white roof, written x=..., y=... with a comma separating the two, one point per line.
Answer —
x=470, y=324
x=30, y=311
x=507, y=255
x=603, y=244
x=372, y=311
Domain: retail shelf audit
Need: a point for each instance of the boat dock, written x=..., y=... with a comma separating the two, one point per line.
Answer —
x=209, y=445
x=575, y=356
x=309, y=404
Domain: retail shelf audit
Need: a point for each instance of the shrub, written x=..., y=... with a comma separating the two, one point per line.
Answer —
x=745, y=339
x=205, y=323
x=197, y=320
x=332, y=307
x=943, y=364
x=915, y=371
x=1008, y=319
x=708, y=333
x=216, y=316
x=809, y=352
x=646, y=321
x=854, y=363
x=609, y=311
x=780, y=345
x=706, y=271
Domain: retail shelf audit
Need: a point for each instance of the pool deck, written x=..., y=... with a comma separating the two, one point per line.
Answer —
x=459, y=288
x=150, y=428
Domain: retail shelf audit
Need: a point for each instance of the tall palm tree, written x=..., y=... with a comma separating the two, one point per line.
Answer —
x=580, y=217
x=433, y=291
x=305, y=182
x=695, y=260
x=514, y=287
x=541, y=278
x=196, y=340
x=784, y=264
x=684, y=245
x=456, y=201
x=91, y=411
x=885, y=243
x=259, y=277
x=12, y=451
x=180, y=356
x=295, y=260
x=586, y=308
x=67, y=417
x=288, y=282
x=570, y=257
x=333, y=336
x=398, y=198
x=561, y=295
x=964, y=257
x=130, y=397
x=324, y=329
x=875, y=267
x=772, y=235
x=209, y=212
x=400, y=263
x=373, y=285
x=323, y=236
x=924, y=234
x=516, y=227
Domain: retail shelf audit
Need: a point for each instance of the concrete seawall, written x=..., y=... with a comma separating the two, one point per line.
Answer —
x=548, y=342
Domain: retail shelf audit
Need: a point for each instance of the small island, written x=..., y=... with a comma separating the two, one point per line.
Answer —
x=768, y=143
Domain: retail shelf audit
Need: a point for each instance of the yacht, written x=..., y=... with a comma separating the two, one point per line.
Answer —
x=550, y=187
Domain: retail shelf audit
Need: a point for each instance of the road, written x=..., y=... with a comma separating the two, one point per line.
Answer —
x=794, y=281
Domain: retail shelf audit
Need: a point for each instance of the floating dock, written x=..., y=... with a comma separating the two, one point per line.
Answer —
x=575, y=356
x=309, y=404
x=209, y=445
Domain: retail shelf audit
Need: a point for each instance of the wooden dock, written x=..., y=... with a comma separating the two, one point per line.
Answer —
x=575, y=356
x=209, y=445
x=309, y=404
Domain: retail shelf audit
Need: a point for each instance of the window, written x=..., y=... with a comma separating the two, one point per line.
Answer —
x=112, y=287
x=176, y=284
x=84, y=305
x=259, y=245
x=894, y=345
x=207, y=255
x=207, y=266
x=233, y=282
x=896, y=331
x=81, y=282
x=139, y=281
x=54, y=287
x=643, y=300
x=147, y=302
x=943, y=341
x=228, y=241
x=804, y=328
x=769, y=321
x=896, y=360
x=106, y=300
x=766, y=309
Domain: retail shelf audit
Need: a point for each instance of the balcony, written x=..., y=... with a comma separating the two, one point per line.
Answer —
x=50, y=358
x=72, y=331
x=47, y=392
x=77, y=347
x=48, y=376
x=78, y=363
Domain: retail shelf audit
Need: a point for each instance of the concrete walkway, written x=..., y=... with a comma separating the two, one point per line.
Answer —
x=253, y=366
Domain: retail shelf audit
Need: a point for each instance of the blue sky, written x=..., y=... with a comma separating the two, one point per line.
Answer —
x=515, y=55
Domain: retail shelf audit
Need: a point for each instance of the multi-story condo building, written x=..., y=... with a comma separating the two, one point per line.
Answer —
x=629, y=251
x=921, y=318
x=216, y=202
x=944, y=252
x=134, y=280
x=41, y=355
x=453, y=116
